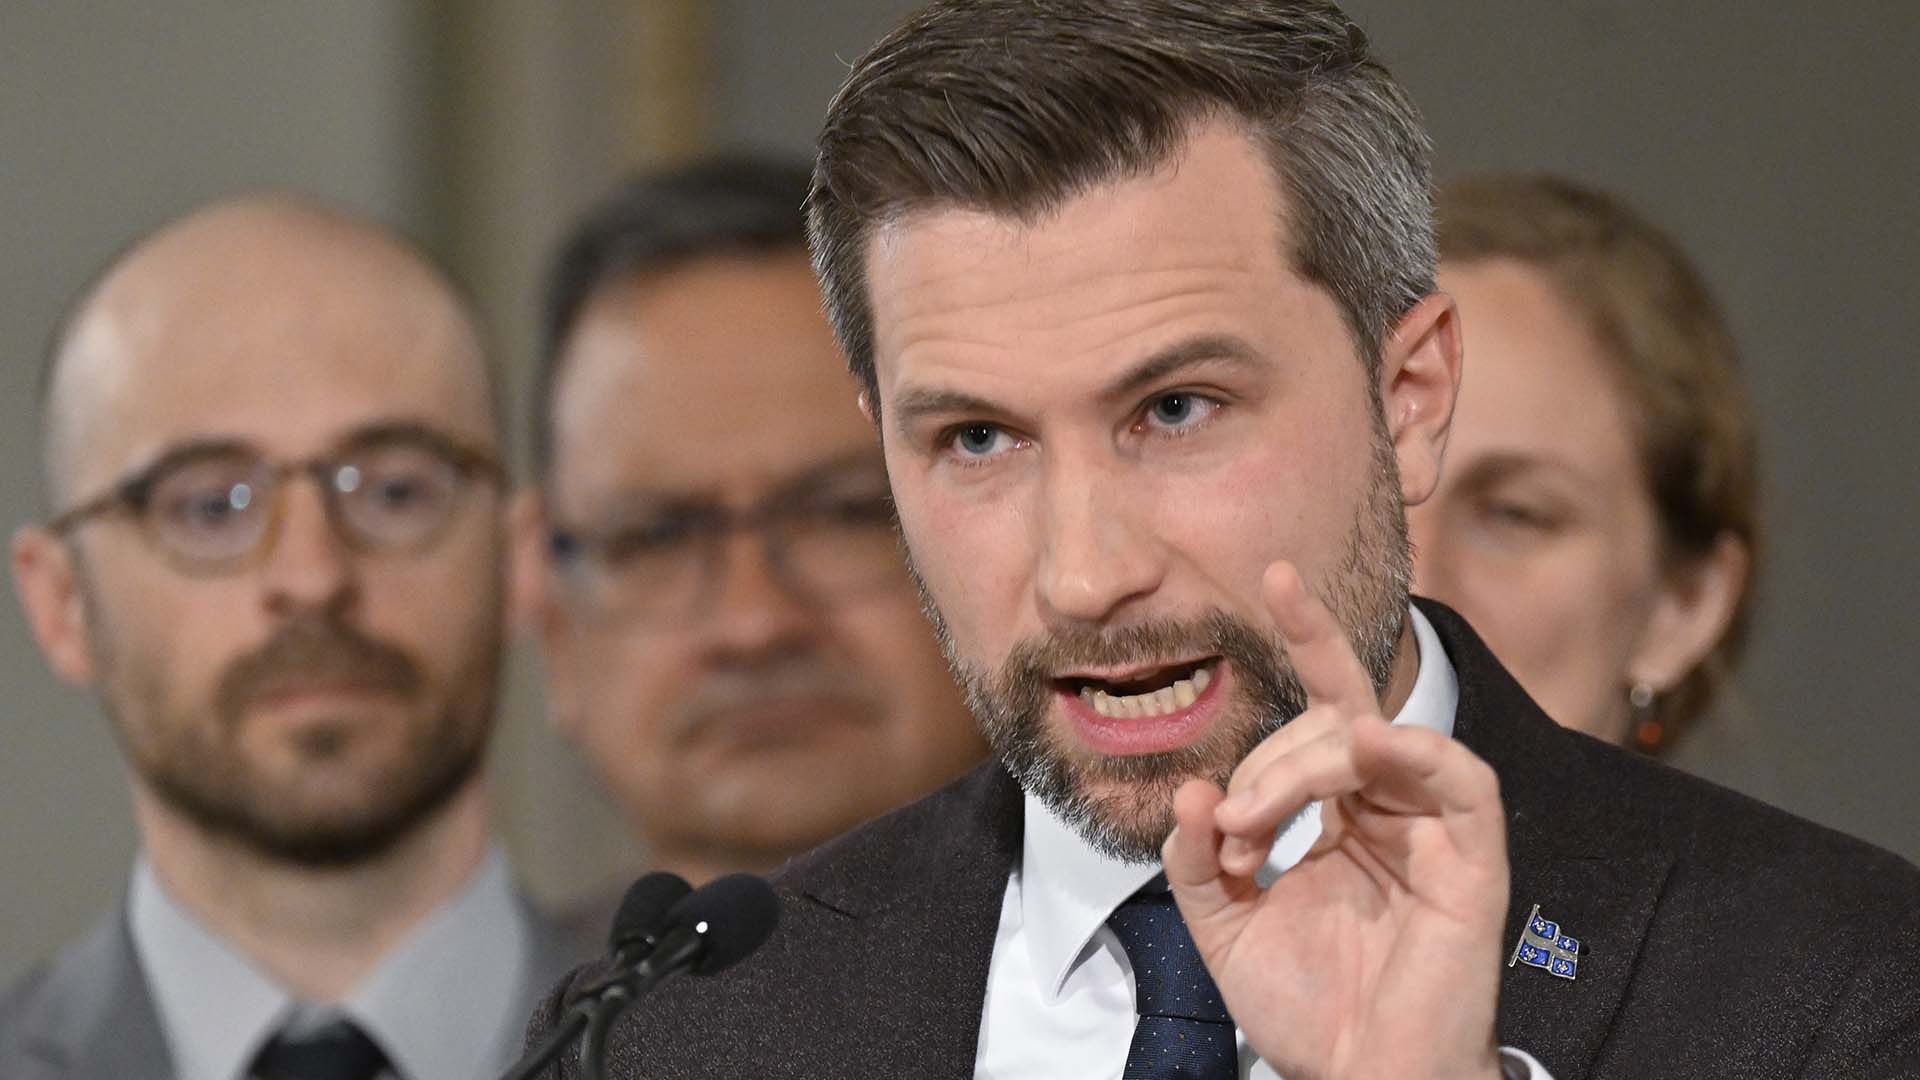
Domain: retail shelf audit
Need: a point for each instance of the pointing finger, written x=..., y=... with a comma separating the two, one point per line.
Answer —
x=1322, y=656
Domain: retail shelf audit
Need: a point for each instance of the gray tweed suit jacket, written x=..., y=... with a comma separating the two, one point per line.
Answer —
x=87, y=1014
x=1719, y=937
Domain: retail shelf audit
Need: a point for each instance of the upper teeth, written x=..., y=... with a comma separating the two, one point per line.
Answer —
x=1161, y=702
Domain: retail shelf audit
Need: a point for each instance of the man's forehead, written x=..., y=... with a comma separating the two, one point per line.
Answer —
x=1110, y=261
x=829, y=473
x=291, y=352
x=723, y=380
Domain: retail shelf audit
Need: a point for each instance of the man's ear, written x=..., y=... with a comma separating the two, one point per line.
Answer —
x=1691, y=612
x=535, y=611
x=866, y=408
x=1419, y=383
x=47, y=580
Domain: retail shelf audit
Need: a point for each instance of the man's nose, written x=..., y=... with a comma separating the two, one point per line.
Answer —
x=308, y=565
x=755, y=610
x=1097, y=549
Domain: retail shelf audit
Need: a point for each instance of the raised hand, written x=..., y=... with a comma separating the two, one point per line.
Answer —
x=1378, y=954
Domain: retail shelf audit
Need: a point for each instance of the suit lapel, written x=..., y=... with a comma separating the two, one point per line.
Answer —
x=1598, y=874
x=97, y=1017
x=1606, y=904
x=932, y=920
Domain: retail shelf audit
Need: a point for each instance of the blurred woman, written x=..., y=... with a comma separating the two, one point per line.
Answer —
x=1597, y=515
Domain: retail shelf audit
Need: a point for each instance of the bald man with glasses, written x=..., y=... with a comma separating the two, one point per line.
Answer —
x=730, y=633
x=276, y=554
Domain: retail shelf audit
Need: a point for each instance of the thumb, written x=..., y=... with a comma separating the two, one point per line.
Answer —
x=1191, y=854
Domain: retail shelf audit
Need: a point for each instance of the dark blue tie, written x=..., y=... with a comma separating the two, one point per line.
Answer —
x=1184, y=1032
x=337, y=1051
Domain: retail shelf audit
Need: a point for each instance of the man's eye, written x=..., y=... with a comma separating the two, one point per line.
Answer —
x=1519, y=515
x=399, y=491
x=208, y=509
x=1180, y=410
x=979, y=440
x=644, y=539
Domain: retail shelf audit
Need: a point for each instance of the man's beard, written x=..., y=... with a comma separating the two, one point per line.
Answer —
x=1367, y=593
x=195, y=761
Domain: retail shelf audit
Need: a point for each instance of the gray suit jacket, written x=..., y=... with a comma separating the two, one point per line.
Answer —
x=87, y=1014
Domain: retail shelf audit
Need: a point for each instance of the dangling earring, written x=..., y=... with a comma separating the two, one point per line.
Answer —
x=1648, y=732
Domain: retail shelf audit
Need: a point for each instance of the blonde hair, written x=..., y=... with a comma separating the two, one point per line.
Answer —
x=1675, y=362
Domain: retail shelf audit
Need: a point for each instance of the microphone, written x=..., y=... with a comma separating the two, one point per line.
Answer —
x=637, y=924
x=711, y=929
x=714, y=927
x=642, y=916
x=662, y=927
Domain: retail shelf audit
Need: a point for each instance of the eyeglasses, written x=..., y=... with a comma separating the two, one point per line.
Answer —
x=215, y=507
x=658, y=564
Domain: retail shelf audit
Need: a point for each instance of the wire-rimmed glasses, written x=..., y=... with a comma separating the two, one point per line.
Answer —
x=828, y=535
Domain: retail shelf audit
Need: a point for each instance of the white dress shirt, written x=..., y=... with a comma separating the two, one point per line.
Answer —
x=446, y=1004
x=1059, y=1002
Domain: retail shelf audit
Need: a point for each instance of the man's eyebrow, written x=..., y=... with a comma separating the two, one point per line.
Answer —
x=1207, y=349
x=854, y=464
x=1487, y=470
x=186, y=449
x=916, y=404
x=859, y=464
x=402, y=430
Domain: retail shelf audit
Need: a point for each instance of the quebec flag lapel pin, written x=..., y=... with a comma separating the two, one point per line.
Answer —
x=1542, y=945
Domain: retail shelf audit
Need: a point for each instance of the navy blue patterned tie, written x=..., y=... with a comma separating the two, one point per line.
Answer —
x=337, y=1051
x=1184, y=1032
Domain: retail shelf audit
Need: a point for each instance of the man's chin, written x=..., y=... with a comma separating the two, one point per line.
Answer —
x=1122, y=804
x=1127, y=821
x=782, y=828
x=324, y=809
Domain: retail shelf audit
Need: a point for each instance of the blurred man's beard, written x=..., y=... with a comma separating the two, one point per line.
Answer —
x=196, y=762
x=1123, y=806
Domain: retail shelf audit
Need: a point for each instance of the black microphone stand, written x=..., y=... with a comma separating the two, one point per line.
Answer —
x=593, y=1012
x=542, y=1053
x=674, y=955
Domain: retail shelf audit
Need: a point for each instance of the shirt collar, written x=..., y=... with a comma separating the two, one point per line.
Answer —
x=446, y=1002
x=216, y=1008
x=1067, y=889
x=461, y=970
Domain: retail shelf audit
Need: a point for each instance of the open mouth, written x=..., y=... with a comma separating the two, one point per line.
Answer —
x=1161, y=691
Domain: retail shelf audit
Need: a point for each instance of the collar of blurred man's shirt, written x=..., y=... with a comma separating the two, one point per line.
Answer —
x=444, y=1003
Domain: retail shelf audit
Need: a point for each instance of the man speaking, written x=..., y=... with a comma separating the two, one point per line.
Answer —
x=1141, y=296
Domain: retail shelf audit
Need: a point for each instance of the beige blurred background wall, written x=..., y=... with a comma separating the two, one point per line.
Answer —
x=1778, y=140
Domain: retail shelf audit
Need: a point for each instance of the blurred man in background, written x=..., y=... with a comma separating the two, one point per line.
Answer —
x=276, y=553
x=729, y=631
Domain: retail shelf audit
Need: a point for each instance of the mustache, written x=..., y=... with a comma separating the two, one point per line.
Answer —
x=1030, y=667
x=1019, y=691
x=746, y=684
x=790, y=677
x=310, y=649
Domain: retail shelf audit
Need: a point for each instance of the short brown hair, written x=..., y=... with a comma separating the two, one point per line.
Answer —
x=1674, y=360
x=1015, y=106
